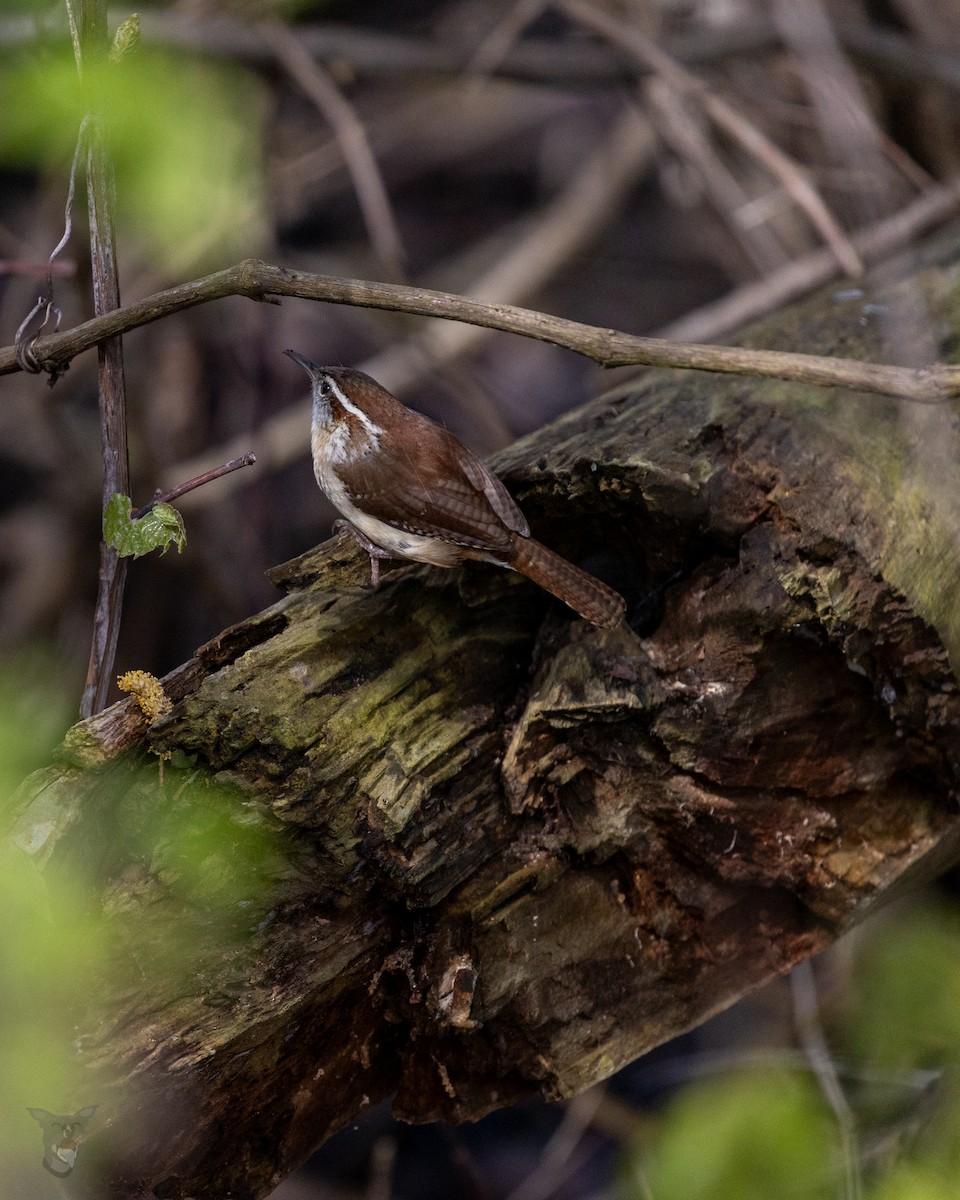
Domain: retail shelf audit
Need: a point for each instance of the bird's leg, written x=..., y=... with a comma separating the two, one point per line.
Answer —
x=373, y=550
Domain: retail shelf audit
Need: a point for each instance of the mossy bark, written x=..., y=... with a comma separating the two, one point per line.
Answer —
x=466, y=848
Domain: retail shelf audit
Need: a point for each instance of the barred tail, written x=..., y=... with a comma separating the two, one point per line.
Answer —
x=593, y=600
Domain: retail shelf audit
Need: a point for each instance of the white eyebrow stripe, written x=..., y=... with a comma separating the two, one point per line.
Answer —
x=352, y=408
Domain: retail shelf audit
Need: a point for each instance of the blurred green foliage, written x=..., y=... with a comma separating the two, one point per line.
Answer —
x=753, y=1135
x=37, y=705
x=53, y=951
x=184, y=137
x=906, y=1010
x=920, y=1154
x=153, y=887
x=201, y=846
x=769, y=1134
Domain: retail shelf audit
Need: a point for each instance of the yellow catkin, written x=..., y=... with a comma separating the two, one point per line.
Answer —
x=148, y=691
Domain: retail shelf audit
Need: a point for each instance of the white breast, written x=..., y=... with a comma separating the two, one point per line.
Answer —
x=397, y=542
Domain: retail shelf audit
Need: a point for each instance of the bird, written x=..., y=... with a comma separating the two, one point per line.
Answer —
x=407, y=488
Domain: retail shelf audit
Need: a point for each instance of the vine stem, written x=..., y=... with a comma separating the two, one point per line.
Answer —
x=112, y=389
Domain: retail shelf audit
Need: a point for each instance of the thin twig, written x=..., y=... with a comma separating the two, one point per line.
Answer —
x=553, y=1167
x=371, y=51
x=75, y=37
x=165, y=497
x=71, y=193
x=727, y=118
x=475, y=1184
x=806, y=1015
x=905, y=58
x=502, y=37
x=368, y=183
x=853, y=142
x=819, y=266
x=678, y=127
x=23, y=342
x=383, y=1160
x=557, y=233
x=611, y=348
x=845, y=122
x=33, y=267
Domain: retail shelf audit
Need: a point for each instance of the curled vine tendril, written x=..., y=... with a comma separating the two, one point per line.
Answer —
x=45, y=304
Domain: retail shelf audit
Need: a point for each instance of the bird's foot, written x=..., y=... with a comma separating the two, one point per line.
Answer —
x=373, y=550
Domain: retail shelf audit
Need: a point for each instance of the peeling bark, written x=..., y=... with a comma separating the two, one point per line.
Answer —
x=488, y=850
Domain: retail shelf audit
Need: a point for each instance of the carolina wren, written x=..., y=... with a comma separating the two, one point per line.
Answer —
x=407, y=488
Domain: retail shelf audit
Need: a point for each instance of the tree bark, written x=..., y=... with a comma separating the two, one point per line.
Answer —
x=444, y=842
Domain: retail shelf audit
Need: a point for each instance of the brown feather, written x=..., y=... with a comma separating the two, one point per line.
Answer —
x=593, y=600
x=423, y=480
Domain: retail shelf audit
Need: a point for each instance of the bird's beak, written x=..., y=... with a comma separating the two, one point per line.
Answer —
x=310, y=367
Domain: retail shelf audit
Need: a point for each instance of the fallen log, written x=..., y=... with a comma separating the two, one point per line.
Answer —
x=443, y=842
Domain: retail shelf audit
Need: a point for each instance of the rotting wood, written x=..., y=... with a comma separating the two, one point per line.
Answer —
x=490, y=851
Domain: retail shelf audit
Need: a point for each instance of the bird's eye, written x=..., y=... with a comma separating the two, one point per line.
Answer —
x=325, y=388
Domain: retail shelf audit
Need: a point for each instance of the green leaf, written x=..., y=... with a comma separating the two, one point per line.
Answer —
x=154, y=531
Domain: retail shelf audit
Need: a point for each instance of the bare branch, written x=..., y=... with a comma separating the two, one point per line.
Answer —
x=351, y=136
x=727, y=118
x=369, y=51
x=31, y=266
x=609, y=347
x=502, y=37
x=161, y=497
x=806, y=1016
x=873, y=242
x=679, y=127
x=836, y=97
x=557, y=232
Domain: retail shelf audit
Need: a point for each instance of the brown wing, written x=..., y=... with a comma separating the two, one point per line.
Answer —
x=437, y=488
x=484, y=480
